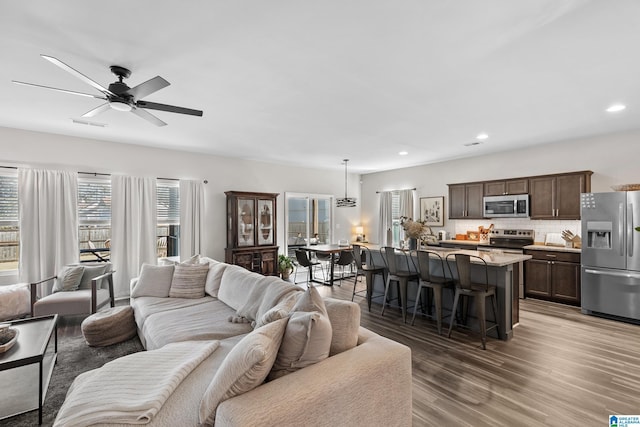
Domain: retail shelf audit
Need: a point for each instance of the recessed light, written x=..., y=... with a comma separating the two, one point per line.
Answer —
x=403, y=153
x=615, y=108
x=482, y=136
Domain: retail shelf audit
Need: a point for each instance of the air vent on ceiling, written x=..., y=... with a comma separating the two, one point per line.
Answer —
x=469, y=144
x=88, y=123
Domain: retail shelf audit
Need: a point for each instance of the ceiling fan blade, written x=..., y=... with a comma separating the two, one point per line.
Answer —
x=99, y=109
x=78, y=74
x=169, y=108
x=60, y=90
x=148, y=87
x=148, y=116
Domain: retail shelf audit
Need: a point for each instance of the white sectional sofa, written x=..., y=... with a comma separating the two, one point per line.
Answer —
x=365, y=380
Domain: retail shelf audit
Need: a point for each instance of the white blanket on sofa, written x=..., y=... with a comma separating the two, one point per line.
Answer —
x=131, y=389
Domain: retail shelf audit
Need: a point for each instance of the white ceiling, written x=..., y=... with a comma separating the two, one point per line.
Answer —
x=312, y=83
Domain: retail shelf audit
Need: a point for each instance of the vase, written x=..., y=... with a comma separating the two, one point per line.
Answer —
x=413, y=244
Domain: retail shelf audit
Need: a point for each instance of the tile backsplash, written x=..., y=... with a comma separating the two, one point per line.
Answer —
x=541, y=227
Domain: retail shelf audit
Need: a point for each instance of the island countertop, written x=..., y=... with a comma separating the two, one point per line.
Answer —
x=493, y=258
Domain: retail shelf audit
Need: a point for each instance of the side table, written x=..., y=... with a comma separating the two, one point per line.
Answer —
x=32, y=347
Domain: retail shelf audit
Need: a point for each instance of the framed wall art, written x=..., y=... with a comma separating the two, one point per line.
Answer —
x=432, y=210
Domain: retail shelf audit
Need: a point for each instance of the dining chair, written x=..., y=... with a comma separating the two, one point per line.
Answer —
x=465, y=286
x=431, y=283
x=366, y=266
x=345, y=258
x=397, y=272
x=304, y=261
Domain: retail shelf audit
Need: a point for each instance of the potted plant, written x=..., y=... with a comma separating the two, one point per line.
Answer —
x=285, y=266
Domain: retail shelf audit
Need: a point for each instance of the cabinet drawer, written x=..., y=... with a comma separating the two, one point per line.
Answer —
x=554, y=255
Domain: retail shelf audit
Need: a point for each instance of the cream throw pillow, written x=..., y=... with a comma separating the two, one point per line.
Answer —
x=69, y=278
x=188, y=281
x=307, y=339
x=154, y=281
x=245, y=368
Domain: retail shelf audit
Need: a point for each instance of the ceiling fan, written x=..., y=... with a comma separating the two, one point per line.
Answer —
x=119, y=96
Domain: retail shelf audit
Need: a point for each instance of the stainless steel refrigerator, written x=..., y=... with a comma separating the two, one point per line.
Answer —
x=611, y=254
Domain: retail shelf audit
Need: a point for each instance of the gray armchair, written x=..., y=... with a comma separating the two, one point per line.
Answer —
x=93, y=290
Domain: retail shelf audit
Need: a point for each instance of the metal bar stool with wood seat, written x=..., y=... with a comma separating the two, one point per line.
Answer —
x=303, y=260
x=429, y=281
x=365, y=265
x=400, y=274
x=479, y=291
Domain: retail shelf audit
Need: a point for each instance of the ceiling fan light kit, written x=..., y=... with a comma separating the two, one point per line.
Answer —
x=119, y=96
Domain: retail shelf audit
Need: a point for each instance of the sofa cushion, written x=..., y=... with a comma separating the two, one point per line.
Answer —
x=307, y=338
x=196, y=322
x=188, y=281
x=345, y=324
x=91, y=272
x=212, y=284
x=244, y=368
x=154, y=281
x=236, y=286
x=69, y=278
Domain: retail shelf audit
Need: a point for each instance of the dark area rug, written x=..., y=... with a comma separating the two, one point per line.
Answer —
x=74, y=358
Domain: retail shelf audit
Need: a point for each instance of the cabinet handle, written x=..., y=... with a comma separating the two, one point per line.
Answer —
x=550, y=256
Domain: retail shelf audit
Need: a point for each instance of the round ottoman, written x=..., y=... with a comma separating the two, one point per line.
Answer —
x=109, y=326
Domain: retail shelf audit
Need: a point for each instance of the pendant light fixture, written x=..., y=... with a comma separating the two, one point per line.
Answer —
x=346, y=202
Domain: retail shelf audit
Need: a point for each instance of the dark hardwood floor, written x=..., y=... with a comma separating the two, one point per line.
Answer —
x=561, y=368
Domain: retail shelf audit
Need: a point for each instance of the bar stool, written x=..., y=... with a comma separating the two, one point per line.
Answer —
x=365, y=265
x=480, y=291
x=399, y=275
x=431, y=282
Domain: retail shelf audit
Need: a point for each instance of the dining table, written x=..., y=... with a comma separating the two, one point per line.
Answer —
x=332, y=250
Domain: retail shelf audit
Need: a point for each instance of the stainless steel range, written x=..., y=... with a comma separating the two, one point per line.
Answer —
x=510, y=240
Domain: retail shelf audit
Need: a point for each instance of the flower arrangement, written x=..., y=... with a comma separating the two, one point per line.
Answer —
x=414, y=229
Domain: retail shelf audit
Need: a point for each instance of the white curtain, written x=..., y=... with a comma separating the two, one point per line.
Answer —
x=406, y=203
x=191, y=218
x=48, y=206
x=386, y=218
x=133, y=228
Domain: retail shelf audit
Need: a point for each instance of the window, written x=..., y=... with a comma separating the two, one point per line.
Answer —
x=168, y=243
x=94, y=216
x=9, y=232
x=307, y=219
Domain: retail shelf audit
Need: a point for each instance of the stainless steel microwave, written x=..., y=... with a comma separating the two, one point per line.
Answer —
x=512, y=206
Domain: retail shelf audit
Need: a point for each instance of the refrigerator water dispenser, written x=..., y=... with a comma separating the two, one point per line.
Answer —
x=599, y=234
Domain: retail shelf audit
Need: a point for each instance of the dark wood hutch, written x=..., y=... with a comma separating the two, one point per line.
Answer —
x=251, y=231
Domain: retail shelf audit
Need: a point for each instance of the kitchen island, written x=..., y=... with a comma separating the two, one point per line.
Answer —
x=502, y=269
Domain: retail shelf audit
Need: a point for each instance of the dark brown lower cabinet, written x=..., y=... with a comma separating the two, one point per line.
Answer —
x=553, y=275
x=263, y=260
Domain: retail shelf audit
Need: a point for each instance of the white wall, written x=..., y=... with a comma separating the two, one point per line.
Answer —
x=614, y=159
x=41, y=150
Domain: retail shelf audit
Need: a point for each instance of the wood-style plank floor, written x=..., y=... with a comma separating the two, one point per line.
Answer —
x=561, y=368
